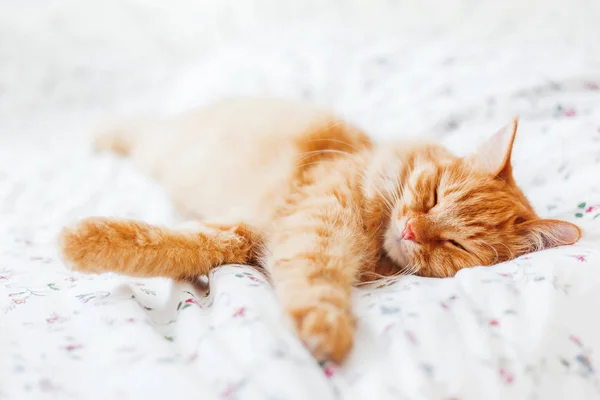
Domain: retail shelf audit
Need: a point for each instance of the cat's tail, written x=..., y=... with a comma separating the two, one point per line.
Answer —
x=97, y=245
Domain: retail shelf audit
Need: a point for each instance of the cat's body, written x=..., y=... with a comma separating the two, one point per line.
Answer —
x=236, y=160
x=291, y=187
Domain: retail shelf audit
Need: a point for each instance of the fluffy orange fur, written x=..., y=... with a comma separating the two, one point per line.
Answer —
x=311, y=198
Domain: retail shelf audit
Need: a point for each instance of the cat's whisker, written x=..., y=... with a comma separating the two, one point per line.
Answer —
x=308, y=154
x=412, y=269
x=395, y=188
x=310, y=163
x=377, y=231
x=393, y=185
x=331, y=125
x=510, y=252
x=398, y=274
x=497, y=256
x=336, y=141
x=388, y=202
x=316, y=152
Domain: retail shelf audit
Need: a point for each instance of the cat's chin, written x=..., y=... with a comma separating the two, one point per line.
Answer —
x=397, y=249
x=399, y=255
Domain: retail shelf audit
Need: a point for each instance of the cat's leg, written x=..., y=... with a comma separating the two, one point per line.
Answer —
x=317, y=254
x=97, y=245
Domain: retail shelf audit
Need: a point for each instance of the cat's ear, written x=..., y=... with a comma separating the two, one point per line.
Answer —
x=547, y=233
x=494, y=154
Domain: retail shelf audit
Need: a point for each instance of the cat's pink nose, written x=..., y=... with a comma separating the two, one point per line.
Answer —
x=408, y=233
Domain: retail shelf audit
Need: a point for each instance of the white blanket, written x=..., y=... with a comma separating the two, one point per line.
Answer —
x=526, y=329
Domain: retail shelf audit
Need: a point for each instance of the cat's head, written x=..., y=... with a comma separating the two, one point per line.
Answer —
x=451, y=213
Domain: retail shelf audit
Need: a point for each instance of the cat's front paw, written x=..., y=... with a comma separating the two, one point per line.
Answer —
x=80, y=244
x=326, y=330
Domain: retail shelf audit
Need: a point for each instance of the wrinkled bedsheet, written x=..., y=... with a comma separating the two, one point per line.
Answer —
x=525, y=329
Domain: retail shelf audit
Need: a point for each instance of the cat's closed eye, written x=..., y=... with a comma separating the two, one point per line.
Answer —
x=456, y=244
x=518, y=220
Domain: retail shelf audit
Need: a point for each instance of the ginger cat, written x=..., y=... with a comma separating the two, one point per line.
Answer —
x=311, y=198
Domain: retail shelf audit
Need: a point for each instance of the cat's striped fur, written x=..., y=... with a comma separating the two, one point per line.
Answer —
x=312, y=199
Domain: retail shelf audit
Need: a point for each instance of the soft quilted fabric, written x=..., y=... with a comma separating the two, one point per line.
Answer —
x=525, y=329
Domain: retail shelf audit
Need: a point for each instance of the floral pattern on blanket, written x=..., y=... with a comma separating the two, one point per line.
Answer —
x=525, y=329
x=495, y=320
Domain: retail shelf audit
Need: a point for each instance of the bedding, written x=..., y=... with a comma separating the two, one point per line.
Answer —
x=524, y=329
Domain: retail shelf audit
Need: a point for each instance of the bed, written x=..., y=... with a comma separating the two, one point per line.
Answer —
x=524, y=329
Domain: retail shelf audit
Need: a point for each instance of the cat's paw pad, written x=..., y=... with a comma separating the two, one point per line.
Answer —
x=326, y=330
x=78, y=244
